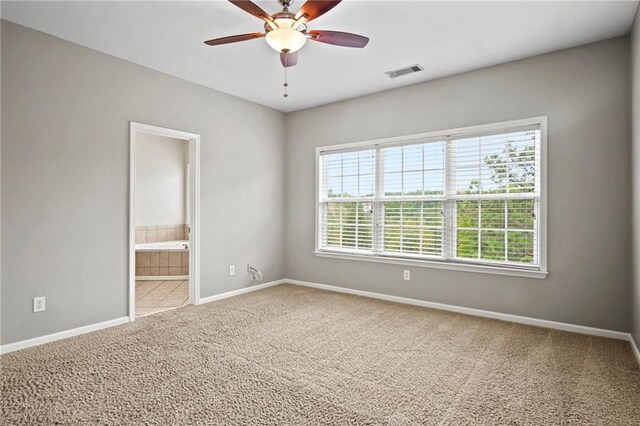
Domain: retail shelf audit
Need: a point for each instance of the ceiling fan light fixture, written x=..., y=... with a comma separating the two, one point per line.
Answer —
x=287, y=32
x=286, y=40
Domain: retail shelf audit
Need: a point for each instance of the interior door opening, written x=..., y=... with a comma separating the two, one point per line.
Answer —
x=163, y=220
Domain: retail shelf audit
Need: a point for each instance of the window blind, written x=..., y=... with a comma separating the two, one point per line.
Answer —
x=472, y=198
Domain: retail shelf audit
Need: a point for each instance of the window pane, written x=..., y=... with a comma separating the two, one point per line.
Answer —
x=492, y=214
x=392, y=184
x=521, y=214
x=349, y=236
x=432, y=241
x=467, y=166
x=412, y=183
x=521, y=246
x=414, y=170
x=496, y=164
x=433, y=182
x=367, y=162
x=467, y=214
x=392, y=159
x=412, y=157
x=522, y=169
x=348, y=225
x=492, y=245
x=333, y=224
x=434, y=155
x=366, y=185
x=414, y=227
x=349, y=186
x=493, y=165
x=364, y=236
x=348, y=174
x=392, y=238
x=333, y=164
x=334, y=187
x=467, y=244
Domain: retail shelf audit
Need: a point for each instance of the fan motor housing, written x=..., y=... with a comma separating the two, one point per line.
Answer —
x=285, y=3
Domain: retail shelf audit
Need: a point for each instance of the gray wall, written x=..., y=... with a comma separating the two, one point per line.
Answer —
x=635, y=147
x=585, y=94
x=65, y=159
x=64, y=180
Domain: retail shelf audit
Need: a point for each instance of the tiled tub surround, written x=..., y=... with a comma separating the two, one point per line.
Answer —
x=162, y=263
x=160, y=233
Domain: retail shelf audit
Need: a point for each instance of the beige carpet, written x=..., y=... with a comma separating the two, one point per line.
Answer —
x=297, y=356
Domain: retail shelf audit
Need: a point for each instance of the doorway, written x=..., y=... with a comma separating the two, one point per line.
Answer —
x=164, y=214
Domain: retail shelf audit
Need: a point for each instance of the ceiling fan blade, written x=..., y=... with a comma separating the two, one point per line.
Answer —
x=338, y=38
x=289, y=59
x=315, y=8
x=233, y=39
x=253, y=9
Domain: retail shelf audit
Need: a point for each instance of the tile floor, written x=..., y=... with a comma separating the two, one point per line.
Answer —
x=158, y=296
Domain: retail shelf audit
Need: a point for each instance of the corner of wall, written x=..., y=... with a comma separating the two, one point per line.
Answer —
x=635, y=170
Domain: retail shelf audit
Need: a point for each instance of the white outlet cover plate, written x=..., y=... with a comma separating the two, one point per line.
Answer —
x=39, y=304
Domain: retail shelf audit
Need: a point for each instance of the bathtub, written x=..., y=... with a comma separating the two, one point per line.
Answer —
x=180, y=245
x=166, y=260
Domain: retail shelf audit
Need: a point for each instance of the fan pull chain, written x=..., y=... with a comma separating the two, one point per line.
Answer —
x=286, y=95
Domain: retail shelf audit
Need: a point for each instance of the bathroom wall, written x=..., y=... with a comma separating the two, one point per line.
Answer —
x=160, y=233
x=161, y=181
x=65, y=180
x=584, y=91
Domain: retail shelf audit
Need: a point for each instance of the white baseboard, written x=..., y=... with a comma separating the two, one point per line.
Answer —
x=23, y=344
x=634, y=346
x=471, y=311
x=162, y=277
x=240, y=291
x=10, y=347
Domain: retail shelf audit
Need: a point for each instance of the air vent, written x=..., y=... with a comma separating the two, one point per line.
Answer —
x=404, y=71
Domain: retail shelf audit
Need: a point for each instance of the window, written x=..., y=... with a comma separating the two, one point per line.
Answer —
x=464, y=199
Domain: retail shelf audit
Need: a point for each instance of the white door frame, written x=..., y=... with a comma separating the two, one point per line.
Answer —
x=194, y=209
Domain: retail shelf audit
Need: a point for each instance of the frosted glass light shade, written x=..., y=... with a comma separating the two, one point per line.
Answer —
x=285, y=39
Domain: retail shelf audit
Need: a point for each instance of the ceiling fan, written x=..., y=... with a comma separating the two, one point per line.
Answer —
x=287, y=32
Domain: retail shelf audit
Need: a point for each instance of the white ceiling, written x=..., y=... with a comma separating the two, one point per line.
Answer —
x=444, y=37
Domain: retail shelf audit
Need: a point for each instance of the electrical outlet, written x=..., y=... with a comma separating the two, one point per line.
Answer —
x=39, y=304
x=232, y=269
x=407, y=275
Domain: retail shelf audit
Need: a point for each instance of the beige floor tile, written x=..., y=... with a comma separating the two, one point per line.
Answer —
x=161, y=309
x=172, y=302
x=142, y=311
x=148, y=303
x=143, y=289
x=157, y=292
x=172, y=284
x=181, y=289
x=158, y=296
x=166, y=286
x=149, y=284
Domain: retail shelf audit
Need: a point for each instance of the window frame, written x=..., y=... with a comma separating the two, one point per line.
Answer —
x=469, y=265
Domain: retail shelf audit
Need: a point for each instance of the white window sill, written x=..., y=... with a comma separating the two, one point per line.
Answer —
x=466, y=267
